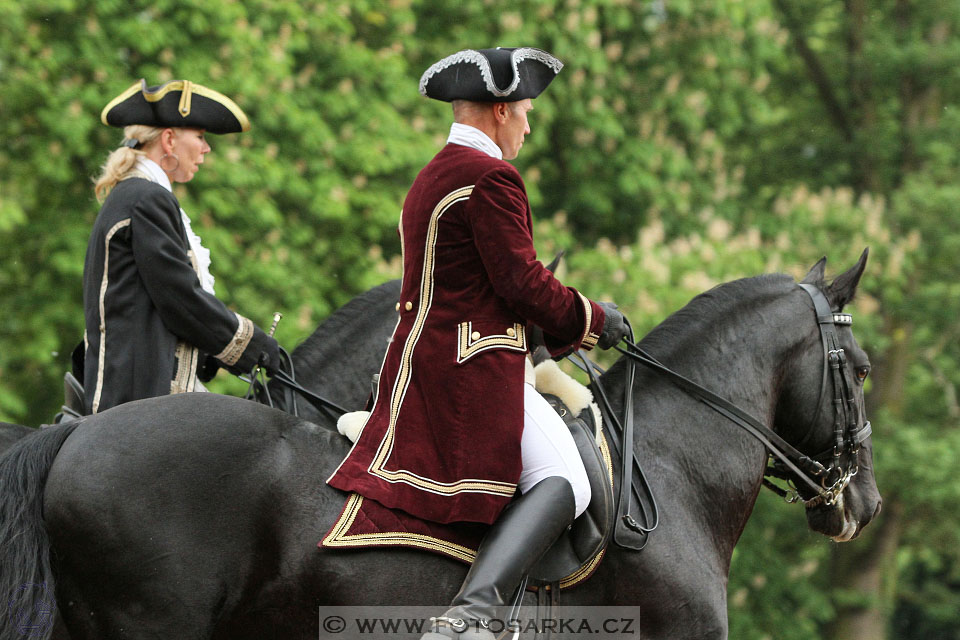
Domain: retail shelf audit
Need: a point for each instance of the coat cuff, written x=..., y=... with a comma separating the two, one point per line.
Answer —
x=593, y=323
x=238, y=344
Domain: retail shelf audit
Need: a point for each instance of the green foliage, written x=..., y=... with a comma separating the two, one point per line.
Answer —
x=684, y=144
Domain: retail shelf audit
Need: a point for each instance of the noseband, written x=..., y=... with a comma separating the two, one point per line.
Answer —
x=824, y=474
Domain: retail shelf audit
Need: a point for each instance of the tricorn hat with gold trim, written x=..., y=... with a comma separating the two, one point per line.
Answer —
x=178, y=103
x=490, y=75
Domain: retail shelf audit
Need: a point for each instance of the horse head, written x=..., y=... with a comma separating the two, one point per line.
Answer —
x=820, y=410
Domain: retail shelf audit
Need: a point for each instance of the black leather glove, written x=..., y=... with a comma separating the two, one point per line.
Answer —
x=614, y=327
x=208, y=368
x=263, y=350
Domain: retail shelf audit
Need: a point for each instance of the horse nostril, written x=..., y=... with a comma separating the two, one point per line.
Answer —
x=879, y=505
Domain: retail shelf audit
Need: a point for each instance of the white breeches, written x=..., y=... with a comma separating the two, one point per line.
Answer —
x=547, y=449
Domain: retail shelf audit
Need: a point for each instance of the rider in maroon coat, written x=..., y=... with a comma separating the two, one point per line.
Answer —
x=445, y=437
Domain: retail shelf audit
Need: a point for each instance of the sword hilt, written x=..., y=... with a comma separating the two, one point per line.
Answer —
x=273, y=329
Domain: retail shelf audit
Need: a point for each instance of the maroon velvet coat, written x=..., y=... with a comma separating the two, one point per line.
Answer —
x=443, y=439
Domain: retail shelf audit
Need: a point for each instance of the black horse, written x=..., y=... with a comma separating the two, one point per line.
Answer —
x=197, y=516
x=338, y=361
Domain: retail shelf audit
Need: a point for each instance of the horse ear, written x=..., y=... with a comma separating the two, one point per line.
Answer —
x=841, y=290
x=817, y=272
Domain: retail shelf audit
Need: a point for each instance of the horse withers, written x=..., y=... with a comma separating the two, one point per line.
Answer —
x=197, y=516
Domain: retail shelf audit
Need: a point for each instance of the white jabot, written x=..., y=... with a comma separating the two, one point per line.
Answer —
x=153, y=171
x=464, y=134
x=201, y=253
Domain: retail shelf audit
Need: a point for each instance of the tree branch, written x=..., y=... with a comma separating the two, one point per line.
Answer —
x=818, y=74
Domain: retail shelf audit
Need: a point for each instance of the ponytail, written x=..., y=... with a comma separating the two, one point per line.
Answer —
x=122, y=160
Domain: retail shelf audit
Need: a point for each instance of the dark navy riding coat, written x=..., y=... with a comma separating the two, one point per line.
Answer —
x=149, y=323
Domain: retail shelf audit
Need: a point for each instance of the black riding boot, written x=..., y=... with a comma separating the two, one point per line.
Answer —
x=515, y=542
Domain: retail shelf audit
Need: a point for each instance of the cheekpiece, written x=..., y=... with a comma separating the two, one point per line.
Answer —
x=490, y=75
x=178, y=103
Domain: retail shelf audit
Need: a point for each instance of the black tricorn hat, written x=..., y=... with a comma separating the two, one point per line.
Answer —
x=178, y=103
x=490, y=75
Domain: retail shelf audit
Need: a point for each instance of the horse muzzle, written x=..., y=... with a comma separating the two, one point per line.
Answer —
x=839, y=521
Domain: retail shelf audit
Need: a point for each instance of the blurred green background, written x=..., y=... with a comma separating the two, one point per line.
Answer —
x=684, y=144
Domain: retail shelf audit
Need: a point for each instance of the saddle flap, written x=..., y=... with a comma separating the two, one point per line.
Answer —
x=581, y=544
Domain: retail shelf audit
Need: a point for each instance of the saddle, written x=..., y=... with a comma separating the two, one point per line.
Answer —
x=74, y=400
x=578, y=551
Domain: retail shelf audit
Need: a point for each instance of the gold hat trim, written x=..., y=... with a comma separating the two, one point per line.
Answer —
x=188, y=88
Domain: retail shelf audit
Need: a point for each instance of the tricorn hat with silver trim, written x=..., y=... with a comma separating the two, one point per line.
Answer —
x=179, y=103
x=490, y=75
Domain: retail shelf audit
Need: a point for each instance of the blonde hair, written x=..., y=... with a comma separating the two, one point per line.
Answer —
x=122, y=159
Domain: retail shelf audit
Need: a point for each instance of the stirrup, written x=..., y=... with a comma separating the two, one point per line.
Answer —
x=450, y=628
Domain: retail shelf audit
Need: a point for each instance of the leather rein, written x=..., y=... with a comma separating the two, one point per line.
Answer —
x=823, y=474
x=286, y=376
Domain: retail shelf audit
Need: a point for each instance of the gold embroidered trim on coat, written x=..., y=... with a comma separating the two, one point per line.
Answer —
x=185, y=376
x=589, y=340
x=238, y=344
x=104, y=282
x=338, y=536
x=470, y=346
x=404, y=376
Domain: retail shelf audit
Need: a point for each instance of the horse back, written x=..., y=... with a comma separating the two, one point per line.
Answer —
x=185, y=504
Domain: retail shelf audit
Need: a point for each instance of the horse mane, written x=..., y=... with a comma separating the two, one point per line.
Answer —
x=704, y=311
x=348, y=319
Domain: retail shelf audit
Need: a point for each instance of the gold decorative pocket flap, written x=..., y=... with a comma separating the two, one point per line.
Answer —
x=473, y=340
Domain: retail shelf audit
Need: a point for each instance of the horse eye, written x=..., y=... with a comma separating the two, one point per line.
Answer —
x=862, y=373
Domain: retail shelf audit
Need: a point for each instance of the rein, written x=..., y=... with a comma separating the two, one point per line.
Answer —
x=776, y=445
x=317, y=401
x=632, y=479
x=825, y=482
x=287, y=377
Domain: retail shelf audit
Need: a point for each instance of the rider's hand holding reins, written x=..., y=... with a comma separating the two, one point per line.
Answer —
x=262, y=350
x=614, y=326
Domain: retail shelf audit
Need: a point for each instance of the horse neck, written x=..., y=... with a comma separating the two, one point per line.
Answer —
x=735, y=344
x=739, y=352
x=346, y=349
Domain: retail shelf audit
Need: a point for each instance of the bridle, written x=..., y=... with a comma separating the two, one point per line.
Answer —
x=850, y=428
x=824, y=475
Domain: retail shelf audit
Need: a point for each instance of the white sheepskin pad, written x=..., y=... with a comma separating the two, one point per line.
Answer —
x=553, y=380
x=351, y=424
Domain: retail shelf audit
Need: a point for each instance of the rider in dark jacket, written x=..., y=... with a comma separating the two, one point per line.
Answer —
x=152, y=319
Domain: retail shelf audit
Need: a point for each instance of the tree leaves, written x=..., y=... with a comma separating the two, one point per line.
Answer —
x=684, y=144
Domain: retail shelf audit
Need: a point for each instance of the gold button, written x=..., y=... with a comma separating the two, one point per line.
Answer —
x=475, y=335
x=511, y=332
x=408, y=306
x=398, y=306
